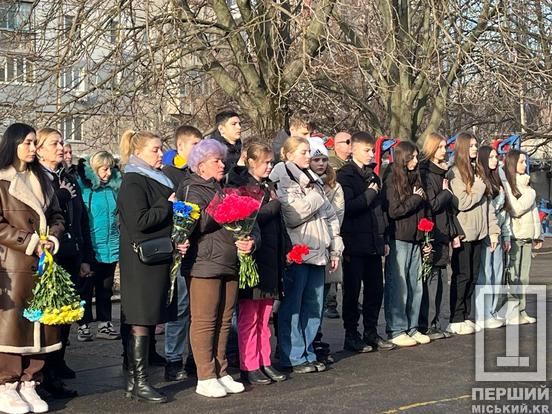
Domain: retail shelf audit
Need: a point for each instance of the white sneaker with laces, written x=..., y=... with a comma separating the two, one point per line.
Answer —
x=210, y=388
x=28, y=393
x=231, y=386
x=472, y=325
x=420, y=338
x=10, y=400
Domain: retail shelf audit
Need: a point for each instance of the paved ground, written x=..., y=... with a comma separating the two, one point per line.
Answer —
x=434, y=378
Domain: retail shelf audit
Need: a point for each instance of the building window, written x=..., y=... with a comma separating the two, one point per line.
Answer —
x=68, y=23
x=16, y=69
x=15, y=15
x=72, y=79
x=113, y=31
x=71, y=128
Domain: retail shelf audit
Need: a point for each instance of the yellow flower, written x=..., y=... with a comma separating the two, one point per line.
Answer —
x=195, y=211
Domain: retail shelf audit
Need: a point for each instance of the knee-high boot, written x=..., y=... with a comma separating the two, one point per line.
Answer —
x=138, y=354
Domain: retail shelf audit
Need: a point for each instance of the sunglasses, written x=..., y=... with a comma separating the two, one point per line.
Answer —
x=347, y=141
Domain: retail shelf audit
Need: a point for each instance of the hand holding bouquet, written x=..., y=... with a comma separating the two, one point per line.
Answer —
x=54, y=301
x=426, y=226
x=185, y=216
x=236, y=210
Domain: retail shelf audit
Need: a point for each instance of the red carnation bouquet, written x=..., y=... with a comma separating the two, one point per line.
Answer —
x=236, y=210
x=426, y=226
x=297, y=252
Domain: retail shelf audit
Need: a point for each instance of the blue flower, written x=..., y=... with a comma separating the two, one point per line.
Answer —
x=182, y=209
x=32, y=315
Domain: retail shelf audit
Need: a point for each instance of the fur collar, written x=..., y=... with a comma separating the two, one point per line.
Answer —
x=19, y=190
x=91, y=180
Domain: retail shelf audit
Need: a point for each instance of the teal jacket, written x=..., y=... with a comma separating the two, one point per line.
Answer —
x=100, y=200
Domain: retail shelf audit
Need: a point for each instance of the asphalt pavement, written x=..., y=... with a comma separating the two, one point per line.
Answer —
x=434, y=378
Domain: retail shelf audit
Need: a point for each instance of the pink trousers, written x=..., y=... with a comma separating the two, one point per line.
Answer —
x=254, y=333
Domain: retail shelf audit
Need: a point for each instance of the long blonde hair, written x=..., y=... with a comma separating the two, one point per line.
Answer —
x=431, y=145
x=132, y=141
x=290, y=145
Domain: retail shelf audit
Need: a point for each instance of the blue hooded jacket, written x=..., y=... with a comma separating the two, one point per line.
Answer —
x=100, y=200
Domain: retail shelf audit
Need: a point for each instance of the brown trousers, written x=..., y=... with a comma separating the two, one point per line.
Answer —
x=17, y=367
x=212, y=303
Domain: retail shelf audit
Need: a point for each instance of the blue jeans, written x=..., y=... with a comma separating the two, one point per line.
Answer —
x=491, y=273
x=176, y=332
x=300, y=313
x=403, y=288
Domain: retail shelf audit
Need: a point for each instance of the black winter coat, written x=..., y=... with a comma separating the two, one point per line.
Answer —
x=364, y=223
x=177, y=175
x=404, y=216
x=75, y=244
x=233, y=151
x=440, y=211
x=212, y=251
x=144, y=213
x=270, y=257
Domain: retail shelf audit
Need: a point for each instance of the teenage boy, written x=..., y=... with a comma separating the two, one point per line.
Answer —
x=228, y=133
x=363, y=233
x=299, y=126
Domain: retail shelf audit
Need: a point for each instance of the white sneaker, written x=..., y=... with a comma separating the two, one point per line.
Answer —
x=517, y=319
x=528, y=318
x=490, y=323
x=472, y=325
x=28, y=393
x=460, y=328
x=403, y=340
x=10, y=400
x=231, y=386
x=420, y=338
x=210, y=388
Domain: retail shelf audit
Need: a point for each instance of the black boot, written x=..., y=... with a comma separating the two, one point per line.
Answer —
x=174, y=371
x=274, y=374
x=354, y=343
x=377, y=342
x=256, y=377
x=138, y=361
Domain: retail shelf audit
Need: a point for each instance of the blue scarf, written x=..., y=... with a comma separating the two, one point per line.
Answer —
x=139, y=166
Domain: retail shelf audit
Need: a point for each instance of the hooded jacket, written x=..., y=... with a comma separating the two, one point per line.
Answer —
x=308, y=214
x=100, y=200
x=523, y=210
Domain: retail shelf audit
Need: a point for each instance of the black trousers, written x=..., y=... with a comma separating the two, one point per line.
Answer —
x=432, y=298
x=358, y=271
x=102, y=285
x=465, y=262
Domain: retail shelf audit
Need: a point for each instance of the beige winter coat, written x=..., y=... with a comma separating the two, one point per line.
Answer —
x=523, y=210
x=476, y=215
x=308, y=215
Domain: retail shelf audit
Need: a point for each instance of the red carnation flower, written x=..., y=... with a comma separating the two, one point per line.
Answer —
x=297, y=252
x=425, y=225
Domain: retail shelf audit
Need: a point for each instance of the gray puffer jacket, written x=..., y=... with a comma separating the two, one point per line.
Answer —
x=308, y=214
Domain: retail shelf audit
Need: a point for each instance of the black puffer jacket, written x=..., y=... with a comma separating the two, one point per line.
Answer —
x=233, y=151
x=440, y=210
x=405, y=215
x=212, y=251
x=364, y=224
x=270, y=257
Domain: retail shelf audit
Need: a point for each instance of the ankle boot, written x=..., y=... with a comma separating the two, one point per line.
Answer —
x=138, y=360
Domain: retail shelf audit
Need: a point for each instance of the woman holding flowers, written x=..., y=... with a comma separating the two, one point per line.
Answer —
x=478, y=221
x=526, y=232
x=27, y=211
x=255, y=304
x=405, y=202
x=145, y=207
x=310, y=219
x=433, y=171
x=491, y=270
x=211, y=271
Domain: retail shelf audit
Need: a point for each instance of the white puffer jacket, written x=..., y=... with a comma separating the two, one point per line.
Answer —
x=308, y=215
x=523, y=210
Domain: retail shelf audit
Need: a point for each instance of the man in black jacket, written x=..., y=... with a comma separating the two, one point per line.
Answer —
x=363, y=233
x=228, y=133
x=176, y=333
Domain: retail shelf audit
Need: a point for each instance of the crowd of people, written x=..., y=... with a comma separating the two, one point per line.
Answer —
x=361, y=228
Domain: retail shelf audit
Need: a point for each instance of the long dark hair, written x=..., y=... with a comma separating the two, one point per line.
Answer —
x=13, y=136
x=510, y=169
x=489, y=177
x=462, y=159
x=404, y=152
